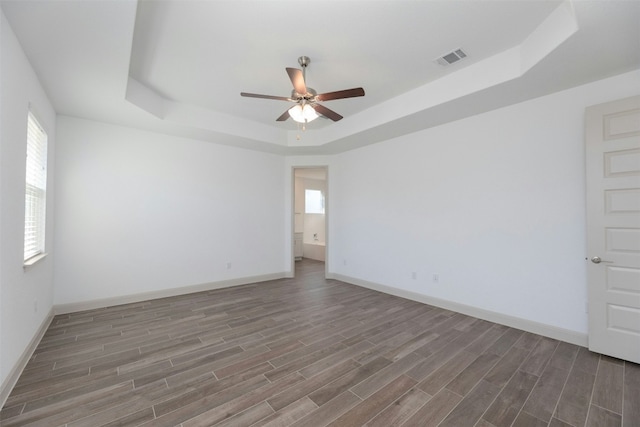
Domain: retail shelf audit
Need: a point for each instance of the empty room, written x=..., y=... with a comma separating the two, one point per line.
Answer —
x=320, y=213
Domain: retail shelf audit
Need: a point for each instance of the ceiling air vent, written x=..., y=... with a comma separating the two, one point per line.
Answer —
x=451, y=57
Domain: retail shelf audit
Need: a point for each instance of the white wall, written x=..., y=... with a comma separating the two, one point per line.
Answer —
x=26, y=296
x=298, y=225
x=493, y=204
x=313, y=223
x=141, y=212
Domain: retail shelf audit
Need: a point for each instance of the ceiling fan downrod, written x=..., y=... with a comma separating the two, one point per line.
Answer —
x=304, y=61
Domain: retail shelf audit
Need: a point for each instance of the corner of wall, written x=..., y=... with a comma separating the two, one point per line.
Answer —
x=11, y=379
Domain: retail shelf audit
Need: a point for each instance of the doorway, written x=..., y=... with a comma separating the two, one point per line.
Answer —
x=310, y=213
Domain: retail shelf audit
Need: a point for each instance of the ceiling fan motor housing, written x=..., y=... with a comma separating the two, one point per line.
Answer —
x=309, y=96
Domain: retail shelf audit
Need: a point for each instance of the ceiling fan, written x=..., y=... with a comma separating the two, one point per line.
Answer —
x=306, y=99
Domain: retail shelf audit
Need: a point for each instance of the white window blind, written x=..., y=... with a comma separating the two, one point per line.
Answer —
x=36, y=189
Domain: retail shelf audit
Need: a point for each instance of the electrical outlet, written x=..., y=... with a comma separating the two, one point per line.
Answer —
x=436, y=278
x=344, y=261
x=414, y=275
x=229, y=265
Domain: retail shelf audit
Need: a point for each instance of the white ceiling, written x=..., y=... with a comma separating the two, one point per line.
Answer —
x=179, y=66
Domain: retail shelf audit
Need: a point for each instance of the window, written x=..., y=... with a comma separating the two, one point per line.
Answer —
x=313, y=202
x=35, y=189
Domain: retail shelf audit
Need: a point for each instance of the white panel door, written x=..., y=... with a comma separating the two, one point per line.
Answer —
x=613, y=227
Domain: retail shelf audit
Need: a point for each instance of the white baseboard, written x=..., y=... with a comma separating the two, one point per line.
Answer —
x=145, y=296
x=550, y=331
x=12, y=378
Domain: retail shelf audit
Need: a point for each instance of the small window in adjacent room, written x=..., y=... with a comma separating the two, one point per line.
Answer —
x=35, y=190
x=313, y=202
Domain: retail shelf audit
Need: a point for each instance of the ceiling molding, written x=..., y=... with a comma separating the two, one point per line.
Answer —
x=112, y=60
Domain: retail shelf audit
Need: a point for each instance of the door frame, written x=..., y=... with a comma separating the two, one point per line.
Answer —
x=292, y=208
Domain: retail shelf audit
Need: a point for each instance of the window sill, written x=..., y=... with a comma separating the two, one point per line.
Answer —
x=33, y=260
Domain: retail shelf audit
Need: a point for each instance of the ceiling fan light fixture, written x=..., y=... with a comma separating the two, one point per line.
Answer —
x=303, y=114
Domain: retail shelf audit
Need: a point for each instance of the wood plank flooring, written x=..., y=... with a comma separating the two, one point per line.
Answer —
x=311, y=352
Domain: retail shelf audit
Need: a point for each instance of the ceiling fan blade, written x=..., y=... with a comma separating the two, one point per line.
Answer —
x=340, y=94
x=256, y=95
x=283, y=117
x=298, y=80
x=321, y=109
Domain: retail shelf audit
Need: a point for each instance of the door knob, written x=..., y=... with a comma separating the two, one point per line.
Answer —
x=598, y=260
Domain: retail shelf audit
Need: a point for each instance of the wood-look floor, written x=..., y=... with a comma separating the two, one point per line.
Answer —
x=311, y=352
